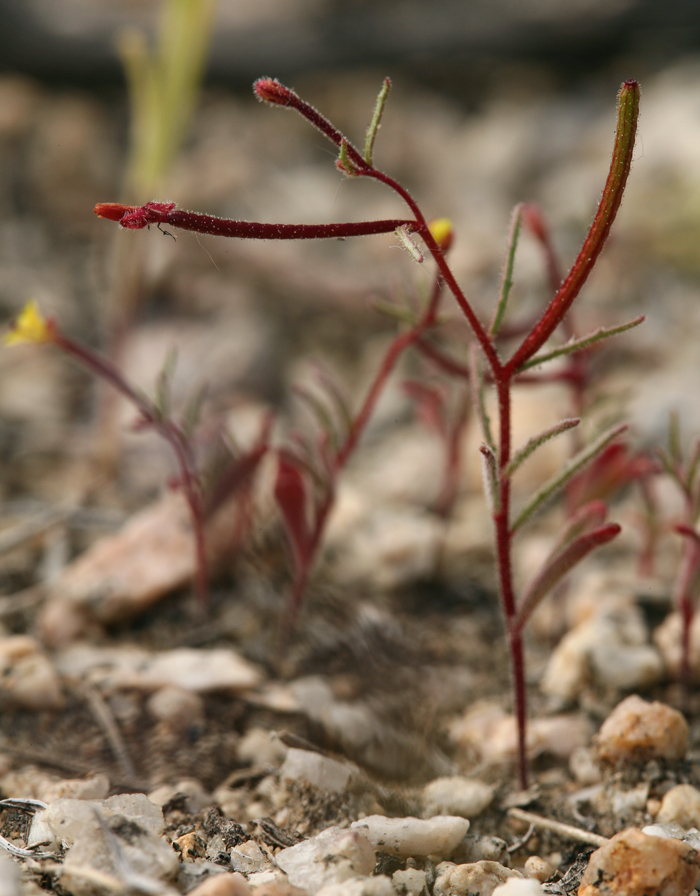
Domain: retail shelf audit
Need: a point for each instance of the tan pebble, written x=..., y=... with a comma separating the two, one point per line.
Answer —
x=476, y=877
x=682, y=805
x=278, y=888
x=653, y=806
x=223, y=885
x=190, y=846
x=178, y=707
x=636, y=864
x=637, y=730
x=538, y=868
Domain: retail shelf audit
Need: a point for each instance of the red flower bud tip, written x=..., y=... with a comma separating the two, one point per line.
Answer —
x=269, y=90
x=114, y=211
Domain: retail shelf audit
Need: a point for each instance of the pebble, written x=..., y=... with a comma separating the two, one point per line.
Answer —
x=477, y=877
x=195, y=796
x=438, y=836
x=626, y=802
x=635, y=864
x=474, y=849
x=456, y=796
x=277, y=887
x=28, y=678
x=610, y=649
x=223, y=885
x=180, y=708
x=682, y=805
x=247, y=857
x=538, y=868
x=261, y=747
x=667, y=638
x=487, y=728
x=410, y=882
x=520, y=886
x=10, y=881
x=320, y=771
x=190, y=846
x=637, y=730
x=583, y=765
x=379, y=885
x=332, y=856
x=127, y=666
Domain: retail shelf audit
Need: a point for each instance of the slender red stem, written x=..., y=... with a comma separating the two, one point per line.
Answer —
x=104, y=369
x=166, y=214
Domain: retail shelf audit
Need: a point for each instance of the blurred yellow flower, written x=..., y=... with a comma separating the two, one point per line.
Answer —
x=441, y=229
x=30, y=326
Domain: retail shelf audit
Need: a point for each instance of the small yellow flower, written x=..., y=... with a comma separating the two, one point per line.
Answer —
x=441, y=229
x=30, y=326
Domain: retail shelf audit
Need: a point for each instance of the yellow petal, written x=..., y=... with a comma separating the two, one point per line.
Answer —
x=30, y=326
x=441, y=229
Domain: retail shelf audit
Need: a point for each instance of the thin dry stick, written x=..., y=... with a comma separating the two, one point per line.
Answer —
x=105, y=719
x=564, y=830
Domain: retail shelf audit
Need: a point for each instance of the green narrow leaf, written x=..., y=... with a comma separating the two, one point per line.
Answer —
x=162, y=400
x=345, y=162
x=321, y=412
x=477, y=385
x=553, y=485
x=376, y=121
x=534, y=443
x=509, y=262
x=577, y=344
x=193, y=410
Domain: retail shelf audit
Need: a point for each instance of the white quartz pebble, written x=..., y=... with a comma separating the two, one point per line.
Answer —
x=410, y=881
x=456, y=796
x=360, y=886
x=520, y=886
x=331, y=857
x=438, y=836
x=314, y=768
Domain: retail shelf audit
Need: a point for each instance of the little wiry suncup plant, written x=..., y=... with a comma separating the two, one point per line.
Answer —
x=500, y=359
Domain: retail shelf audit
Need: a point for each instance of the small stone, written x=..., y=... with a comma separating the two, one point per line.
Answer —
x=332, y=856
x=477, y=877
x=637, y=730
x=538, y=868
x=635, y=864
x=520, y=886
x=28, y=679
x=223, y=885
x=438, y=836
x=190, y=846
x=379, y=885
x=248, y=857
x=320, y=771
x=10, y=879
x=261, y=747
x=474, y=849
x=277, y=887
x=456, y=796
x=624, y=803
x=668, y=638
x=410, y=881
x=96, y=787
x=627, y=667
x=583, y=765
x=180, y=708
x=682, y=805
x=195, y=796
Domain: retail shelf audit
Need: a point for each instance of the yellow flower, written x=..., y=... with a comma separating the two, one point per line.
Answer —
x=441, y=229
x=30, y=326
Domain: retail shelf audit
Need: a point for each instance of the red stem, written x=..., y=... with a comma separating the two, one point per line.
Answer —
x=104, y=369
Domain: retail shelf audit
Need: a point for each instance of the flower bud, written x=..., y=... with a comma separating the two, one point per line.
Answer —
x=269, y=90
x=443, y=234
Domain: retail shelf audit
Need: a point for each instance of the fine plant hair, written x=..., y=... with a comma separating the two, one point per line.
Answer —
x=501, y=356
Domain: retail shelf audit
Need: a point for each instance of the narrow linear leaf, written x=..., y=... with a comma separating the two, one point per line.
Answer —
x=558, y=566
x=193, y=410
x=693, y=466
x=321, y=412
x=399, y=312
x=345, y=163
x=376, y=121
x=576, y=345
x=550, y=488
x=489, y=474
x=476, y=381
x=508, y=264
x=534, y=443
x=337, y=396
x=162, y=398
x=291, y=496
